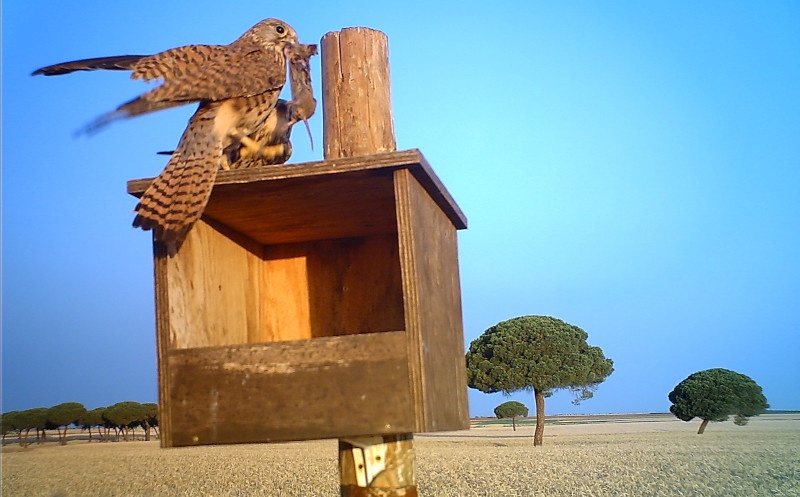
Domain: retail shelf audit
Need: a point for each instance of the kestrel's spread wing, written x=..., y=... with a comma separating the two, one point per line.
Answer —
x=237, y=86
x=115, y=63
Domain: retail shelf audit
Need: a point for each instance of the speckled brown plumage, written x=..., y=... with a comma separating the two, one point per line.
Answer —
x=237, y=86
x=272, y=138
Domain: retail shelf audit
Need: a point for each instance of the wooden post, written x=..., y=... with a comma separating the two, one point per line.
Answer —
x=357, y=120
x=379, y=466
x=356, y=98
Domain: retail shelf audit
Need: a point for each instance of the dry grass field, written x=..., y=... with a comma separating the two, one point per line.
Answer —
x=582, y=456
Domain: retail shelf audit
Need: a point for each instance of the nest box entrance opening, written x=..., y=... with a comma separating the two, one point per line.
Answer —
x=289, y=259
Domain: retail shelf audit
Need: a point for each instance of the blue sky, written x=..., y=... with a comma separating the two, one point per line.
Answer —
x=631, y=168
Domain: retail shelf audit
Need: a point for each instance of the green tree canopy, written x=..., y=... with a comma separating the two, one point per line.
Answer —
x=715, y=394
x=125, y=415
x=64, y=415
x=31, y=419
x=149, y=419
x=511, y=409
x=151, y=412
x=10, y=422
x=92, y=418
x=538, y=353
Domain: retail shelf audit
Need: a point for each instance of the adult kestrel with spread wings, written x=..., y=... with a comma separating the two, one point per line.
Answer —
x=237, y=87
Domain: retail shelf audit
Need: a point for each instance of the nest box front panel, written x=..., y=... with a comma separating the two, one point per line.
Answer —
x=316, y=300
x=322, y=388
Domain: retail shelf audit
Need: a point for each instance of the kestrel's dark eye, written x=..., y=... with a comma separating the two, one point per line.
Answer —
x=280, y=30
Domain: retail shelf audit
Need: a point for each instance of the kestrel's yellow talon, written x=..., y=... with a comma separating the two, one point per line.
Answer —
x=271, y=151
x=250, y=145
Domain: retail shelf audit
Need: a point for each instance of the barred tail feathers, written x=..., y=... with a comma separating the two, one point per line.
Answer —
x=175, y=200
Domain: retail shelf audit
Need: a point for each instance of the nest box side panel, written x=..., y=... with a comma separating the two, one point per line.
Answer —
x=429, y=257
x=212, y=289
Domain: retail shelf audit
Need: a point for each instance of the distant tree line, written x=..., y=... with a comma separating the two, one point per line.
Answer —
x=121, y=419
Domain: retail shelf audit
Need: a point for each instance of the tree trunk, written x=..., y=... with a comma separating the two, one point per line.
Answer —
x=538, y=435
x=514, y=423
x=702, y=427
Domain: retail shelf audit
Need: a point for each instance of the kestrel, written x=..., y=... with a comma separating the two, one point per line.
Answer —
x=270, y=143
x=237, y=87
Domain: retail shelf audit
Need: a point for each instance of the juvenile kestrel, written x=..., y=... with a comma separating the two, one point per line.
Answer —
x=237, y=87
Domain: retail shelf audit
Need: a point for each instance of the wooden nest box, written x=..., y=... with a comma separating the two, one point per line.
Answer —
x=313, y=300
